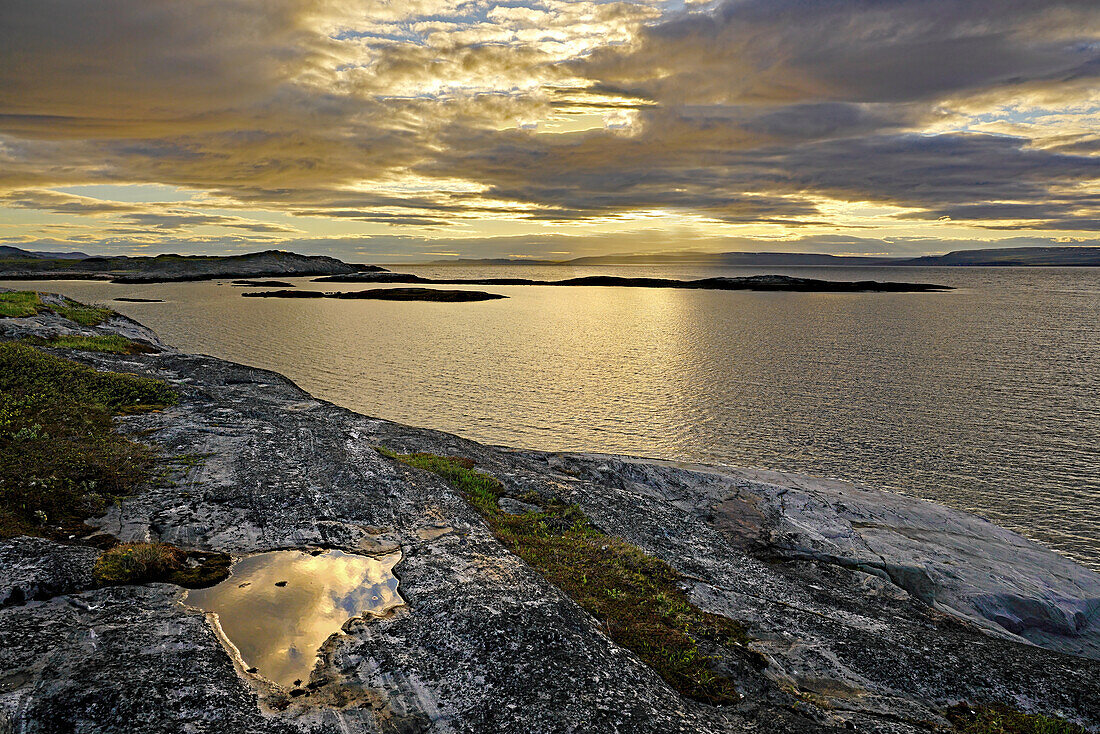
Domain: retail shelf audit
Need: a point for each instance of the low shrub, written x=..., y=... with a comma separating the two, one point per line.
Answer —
x=134, y=563
x=61, y=460
x=1000, y=719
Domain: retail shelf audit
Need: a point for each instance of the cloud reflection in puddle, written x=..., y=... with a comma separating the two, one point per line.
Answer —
x=279, y=629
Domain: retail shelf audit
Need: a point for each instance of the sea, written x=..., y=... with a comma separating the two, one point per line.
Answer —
x=985, y=398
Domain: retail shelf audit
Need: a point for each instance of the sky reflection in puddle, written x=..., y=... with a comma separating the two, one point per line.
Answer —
x=278, y=629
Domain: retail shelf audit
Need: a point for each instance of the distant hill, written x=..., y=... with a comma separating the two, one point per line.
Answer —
x=164, y=268
x=747, y=259
x=1020, y=256
x=1033, y=256
x=8, y=251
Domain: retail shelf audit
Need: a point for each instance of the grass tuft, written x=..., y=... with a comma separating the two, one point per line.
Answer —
x=135, y=563
x=61, y=460
x=112, y=343
x=635, y=596
x=19, y=304
x=83, y=314
x=999, y=719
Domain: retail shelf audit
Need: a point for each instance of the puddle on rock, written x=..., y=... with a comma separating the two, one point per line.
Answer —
x=276, y=627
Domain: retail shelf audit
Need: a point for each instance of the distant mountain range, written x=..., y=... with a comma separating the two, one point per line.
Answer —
x=7, y=251
x=1076, y=256
x=1018, y=256
x=1013, y=256
x=22, y=265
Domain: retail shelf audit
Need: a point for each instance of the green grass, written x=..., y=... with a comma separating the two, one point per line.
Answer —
x=133, y=563
x=61, y=461
x=635, y=596
x=137, y=563
x=998, y=719
x=19, y=304
x=83, y=314
x=112, y=343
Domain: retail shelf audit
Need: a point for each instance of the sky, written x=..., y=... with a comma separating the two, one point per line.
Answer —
x=410, y=130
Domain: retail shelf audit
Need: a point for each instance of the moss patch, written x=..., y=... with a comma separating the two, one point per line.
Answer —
x=112, y=343
x=634, y=595
x=20, y=304
x=136, y=563
x=61, y=460
x=998, y=719
x=202, y=569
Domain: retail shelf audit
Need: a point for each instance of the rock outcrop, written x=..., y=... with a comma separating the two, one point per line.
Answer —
x=873, y=612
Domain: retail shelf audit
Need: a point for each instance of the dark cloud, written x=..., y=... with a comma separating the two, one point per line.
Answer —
x=114, y=68
x=799, y=51
x=61, y=203
x=747, y=112
x=177, y=220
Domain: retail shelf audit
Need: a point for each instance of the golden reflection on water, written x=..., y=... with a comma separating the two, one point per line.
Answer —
x=982, y=399
x=278, y=629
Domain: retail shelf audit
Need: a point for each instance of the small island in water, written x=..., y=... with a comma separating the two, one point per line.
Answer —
x=386, y=294
x=748, y=283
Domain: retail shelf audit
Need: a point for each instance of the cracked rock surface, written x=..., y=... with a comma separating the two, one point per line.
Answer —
x=874, y=611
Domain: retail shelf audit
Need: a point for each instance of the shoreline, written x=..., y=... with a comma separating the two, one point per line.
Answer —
x=868, y=605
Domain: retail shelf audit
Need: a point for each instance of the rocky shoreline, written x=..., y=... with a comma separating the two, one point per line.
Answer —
x=871, y=611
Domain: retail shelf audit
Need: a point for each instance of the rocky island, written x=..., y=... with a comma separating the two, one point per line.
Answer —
x=166, y=268
x=748, y=283
x=16, y=264
x=536, y=592
x=387, y=294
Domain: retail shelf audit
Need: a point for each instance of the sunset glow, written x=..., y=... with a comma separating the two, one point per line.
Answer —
x=380, y=130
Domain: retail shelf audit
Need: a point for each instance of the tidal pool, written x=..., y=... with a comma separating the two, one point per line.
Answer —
x=277, y=608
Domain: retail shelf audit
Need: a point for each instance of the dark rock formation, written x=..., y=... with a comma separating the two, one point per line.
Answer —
x=874, y=612
x=263, y=283
x=388, y=294
x=125, y=299
x=751, y=283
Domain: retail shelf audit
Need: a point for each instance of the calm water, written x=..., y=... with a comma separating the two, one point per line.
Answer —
x=986, y=398
x=278, y=608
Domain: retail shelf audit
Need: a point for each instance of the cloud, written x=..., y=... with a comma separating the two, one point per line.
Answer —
x=61, y=203
x=858, y=51
x=426, y=114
